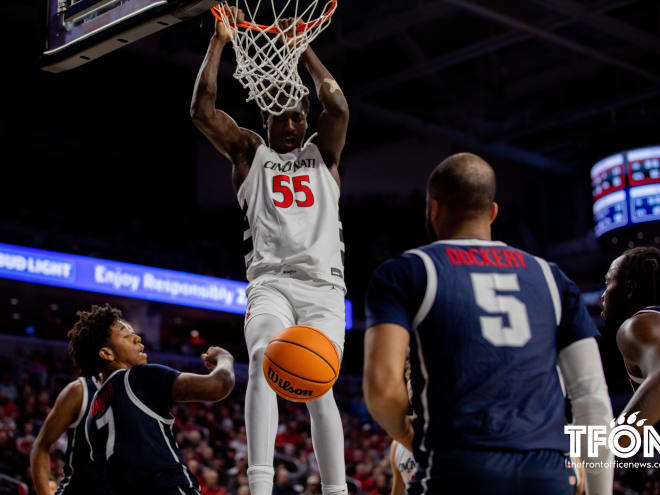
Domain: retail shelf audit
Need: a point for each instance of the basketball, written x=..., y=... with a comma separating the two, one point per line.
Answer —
x=301, y=363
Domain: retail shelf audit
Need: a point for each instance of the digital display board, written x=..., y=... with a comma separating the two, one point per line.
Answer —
x=626, y=189
x=126, y=279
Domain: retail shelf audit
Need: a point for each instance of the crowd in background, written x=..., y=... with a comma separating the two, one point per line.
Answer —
x=212, y=436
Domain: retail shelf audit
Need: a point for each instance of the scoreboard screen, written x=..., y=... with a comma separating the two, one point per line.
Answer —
x=626, y=189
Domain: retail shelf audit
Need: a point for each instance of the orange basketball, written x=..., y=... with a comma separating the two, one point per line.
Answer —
x=301, y=363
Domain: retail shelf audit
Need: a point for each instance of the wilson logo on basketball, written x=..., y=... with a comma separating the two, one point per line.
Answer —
x=286, y=385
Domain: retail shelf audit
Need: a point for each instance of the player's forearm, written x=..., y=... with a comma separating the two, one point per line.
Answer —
x=191, y=387
x=327, y=89
x=582, y=370
x=398, y=485
x=388, y=405
x=206, y=85
x=40, y=467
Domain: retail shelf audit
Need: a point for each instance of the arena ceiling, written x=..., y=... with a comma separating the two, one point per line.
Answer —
x=541, y=88
x=554, y=84
x=549, y=83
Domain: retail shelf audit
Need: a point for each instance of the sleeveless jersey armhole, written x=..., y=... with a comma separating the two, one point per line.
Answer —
x=249, y=174
x=83, y=403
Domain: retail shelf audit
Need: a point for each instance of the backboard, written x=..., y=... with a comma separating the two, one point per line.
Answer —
x=84, y=30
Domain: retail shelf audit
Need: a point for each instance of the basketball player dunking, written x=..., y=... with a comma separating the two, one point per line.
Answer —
x=289, y=192
x=631, y=308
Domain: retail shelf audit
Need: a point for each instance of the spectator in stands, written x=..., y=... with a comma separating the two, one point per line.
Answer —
x=313, y=485
x=283, y=485
x=210, y=484
x=8, y=388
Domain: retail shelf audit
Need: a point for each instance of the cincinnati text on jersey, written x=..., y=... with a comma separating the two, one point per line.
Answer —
x=291, y=166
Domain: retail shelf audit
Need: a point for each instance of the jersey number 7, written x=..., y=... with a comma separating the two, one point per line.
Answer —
x=485, y=286
x=280, y=186
x=108, y=418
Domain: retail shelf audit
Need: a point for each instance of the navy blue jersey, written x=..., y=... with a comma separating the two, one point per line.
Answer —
x=486, y=322
x=129, y=429
x=79, y=476
x=649, y=309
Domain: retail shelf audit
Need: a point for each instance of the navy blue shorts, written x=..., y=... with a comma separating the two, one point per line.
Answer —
x=541, y=472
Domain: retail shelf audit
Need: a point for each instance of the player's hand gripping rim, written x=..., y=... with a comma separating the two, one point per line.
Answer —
x=289, y=32
x=236, y=17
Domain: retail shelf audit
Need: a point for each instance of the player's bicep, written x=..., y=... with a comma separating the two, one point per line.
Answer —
x=385, y=347
x=331, y=129
x=225, y=135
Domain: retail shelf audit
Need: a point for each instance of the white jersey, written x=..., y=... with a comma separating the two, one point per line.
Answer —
x=291, y=207
x=404, y=462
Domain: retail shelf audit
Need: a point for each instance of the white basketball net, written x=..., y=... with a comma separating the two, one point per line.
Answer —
x=267, y=62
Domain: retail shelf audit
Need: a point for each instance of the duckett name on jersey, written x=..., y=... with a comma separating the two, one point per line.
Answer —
x=504, y=258
x=286, y=385
x=291, y=166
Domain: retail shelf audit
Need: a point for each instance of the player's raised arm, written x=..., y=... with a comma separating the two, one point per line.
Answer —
x=333, y=121
x=221, y=130
x=191, y=387
x=64, y=413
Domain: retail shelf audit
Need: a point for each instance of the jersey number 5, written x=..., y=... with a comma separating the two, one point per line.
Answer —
x=485, y=286
x=288, y=195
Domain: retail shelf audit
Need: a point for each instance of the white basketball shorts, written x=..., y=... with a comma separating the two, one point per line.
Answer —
x=295, y=301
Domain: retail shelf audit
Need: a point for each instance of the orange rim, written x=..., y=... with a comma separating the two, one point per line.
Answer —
x=219, y=13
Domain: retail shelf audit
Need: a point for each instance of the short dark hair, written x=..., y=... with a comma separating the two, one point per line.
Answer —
x=465, y=183
x=640, y=266
x=90, y=333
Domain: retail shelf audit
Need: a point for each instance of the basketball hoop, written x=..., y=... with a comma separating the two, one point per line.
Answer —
x=266, y=56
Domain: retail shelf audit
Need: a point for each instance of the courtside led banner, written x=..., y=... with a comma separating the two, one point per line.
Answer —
x=127, y=280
